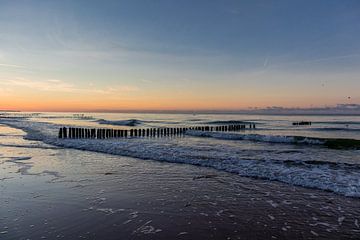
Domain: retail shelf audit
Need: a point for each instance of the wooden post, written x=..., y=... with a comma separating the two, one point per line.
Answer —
x=60, y=133
x=125, y=133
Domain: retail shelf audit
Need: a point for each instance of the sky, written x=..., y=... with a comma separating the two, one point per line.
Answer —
x=178, y=55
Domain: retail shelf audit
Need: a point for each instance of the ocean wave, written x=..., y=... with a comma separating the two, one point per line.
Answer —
x=129, y=122
x=328, y=142
x=336, y=129
x=295, y=168
x=226, y=122
x=339, y=122
x=134, y=122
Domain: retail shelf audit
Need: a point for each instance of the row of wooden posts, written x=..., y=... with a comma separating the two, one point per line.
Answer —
x=72, y=132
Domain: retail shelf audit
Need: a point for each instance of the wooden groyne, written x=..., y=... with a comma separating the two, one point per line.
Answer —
x=106, y=133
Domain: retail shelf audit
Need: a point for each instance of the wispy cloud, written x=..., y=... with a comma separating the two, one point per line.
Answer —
x=115, y=89
x=47, y=85
x=56, y=85
x=11, y=65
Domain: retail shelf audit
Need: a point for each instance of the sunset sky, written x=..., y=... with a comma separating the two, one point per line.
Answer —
x=119, y=55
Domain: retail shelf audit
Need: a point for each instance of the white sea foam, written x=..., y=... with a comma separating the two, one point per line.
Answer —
x=257, y=137
x=340, y=178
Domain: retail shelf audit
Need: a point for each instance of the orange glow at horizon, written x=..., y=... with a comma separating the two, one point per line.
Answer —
x=149, y=103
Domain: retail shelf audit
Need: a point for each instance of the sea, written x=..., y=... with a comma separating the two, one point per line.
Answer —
x=324, y=155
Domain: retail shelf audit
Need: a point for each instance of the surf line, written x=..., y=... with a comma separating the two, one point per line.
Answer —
x=106, y=133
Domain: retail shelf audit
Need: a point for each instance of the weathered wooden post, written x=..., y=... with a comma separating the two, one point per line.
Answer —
x=131, y=132
x=125, y=133
x=64, y=131
x=151, y=132
x=60, y=133
x=92, y=133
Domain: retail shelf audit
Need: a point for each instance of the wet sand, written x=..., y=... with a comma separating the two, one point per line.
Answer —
x=50, y=193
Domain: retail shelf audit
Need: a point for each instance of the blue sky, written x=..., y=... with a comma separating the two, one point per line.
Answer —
x=177, y=54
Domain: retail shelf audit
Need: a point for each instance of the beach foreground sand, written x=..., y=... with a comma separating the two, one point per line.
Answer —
x=54, y=193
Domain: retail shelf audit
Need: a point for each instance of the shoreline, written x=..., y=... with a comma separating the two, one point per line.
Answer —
x=68, y=193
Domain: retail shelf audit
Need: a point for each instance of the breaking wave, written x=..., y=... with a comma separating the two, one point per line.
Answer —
x=328, y=142
x=129, y=122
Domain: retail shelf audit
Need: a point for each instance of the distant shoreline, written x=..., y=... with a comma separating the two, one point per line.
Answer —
x=197, y=112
